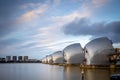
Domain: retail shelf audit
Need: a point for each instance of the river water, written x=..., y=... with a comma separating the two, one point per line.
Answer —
x=37, y=71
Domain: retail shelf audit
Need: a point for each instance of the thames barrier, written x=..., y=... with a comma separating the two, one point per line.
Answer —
x=98, y=53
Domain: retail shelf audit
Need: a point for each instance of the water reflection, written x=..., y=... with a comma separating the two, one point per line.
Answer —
x=99, y=74
x=74, y=73
x=52, y=72
x=31, y=72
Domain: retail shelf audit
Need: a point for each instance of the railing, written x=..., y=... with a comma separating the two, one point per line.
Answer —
x=114, y=58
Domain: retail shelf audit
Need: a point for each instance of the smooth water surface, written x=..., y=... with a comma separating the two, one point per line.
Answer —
x=37, y=71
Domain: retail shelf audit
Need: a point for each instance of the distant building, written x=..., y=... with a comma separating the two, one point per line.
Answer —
x=14, y=58
x=25, y=58
x=33, y=60
x=0, y=59
x=3, y=59
x=20, y=58
x=8, y=58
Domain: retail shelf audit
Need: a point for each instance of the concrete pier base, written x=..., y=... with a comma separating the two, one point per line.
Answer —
x=72, y=64
x=112, y=66
x=94, y=66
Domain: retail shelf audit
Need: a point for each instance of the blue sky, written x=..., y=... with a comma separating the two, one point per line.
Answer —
x=40, y=27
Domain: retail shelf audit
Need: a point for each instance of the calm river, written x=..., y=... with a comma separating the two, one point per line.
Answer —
x=37, y=71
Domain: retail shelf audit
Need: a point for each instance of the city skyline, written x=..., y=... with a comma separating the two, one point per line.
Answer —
x=41, y=27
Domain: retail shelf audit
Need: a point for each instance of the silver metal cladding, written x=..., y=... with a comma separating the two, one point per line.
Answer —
x=97, y=51
x=58, y=57
x=73, y=54
x=49, y=59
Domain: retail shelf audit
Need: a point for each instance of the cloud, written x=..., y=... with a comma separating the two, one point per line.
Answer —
x=70, y=17
x=84, y=27
x=57, y=2
x=51, y=33
x=8, y=43
x=86, y=9
x=7, y=8
x=8, y=11
x=6, y=28
x=99, y=3
x=37, y=11
x=40, y=24
x=15, y=15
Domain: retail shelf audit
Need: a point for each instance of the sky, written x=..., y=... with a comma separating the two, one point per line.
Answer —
x=37, y=28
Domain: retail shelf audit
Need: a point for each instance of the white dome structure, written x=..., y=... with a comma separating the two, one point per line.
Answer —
x=73, y=54
x=58, y=57
x=49, y=59
x=44, y=60
x=97, y=51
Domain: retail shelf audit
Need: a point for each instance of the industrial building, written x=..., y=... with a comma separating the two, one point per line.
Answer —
x=8, y=58
x=115, y=58
x=20, y=58
x=97, y=51
x=73, y=54
x=0, y=59
x=25, y=58
x=14, y=58
x=58, y=57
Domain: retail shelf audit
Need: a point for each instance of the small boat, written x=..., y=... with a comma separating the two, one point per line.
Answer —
x=115, y=77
